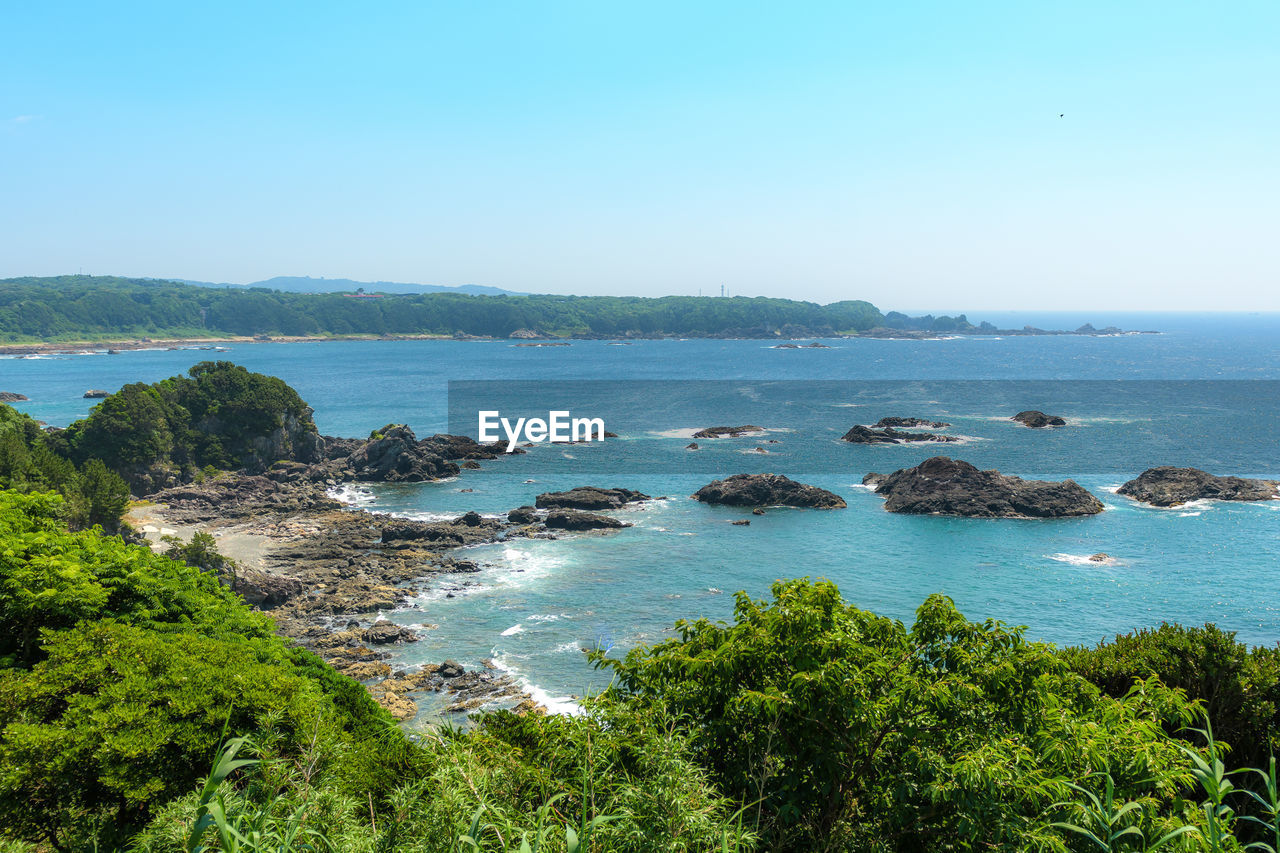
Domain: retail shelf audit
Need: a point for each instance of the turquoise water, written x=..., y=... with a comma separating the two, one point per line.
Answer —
x=536, y=602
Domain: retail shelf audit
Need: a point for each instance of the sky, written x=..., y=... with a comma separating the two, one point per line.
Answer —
x=921, y=155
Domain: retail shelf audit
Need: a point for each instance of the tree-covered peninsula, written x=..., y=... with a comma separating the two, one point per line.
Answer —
x=85, y=308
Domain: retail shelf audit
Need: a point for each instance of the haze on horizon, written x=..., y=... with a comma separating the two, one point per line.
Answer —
x=927, y=156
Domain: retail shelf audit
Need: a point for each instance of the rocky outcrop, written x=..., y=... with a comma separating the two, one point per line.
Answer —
x=576, y=519
x=1037, y=419
x=757, y=490
x=866, y=435
x=96, y=394
x=589, y=497
x=523, y=515
x=1169, y=486
x=395, y=455
x=525, y=335
x=727, y=431
x=898, y=422
x=12, y=397
x=382, y=633
x=265, y=590
x=943, y=486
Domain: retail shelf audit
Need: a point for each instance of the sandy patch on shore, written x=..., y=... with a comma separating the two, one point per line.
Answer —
x=240, y=542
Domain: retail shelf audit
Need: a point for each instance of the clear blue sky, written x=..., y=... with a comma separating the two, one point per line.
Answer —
x=907, y=153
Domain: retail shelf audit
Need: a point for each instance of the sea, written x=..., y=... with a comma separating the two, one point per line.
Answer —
x=1204, y=392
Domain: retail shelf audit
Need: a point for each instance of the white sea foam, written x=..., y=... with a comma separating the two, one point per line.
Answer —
x=351, y=495
x=1083, y=560
x=569, y=647
x=554, y=704
x=513, y=630
x=548, y=617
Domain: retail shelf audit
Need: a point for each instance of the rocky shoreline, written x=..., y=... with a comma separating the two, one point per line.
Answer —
x=325, y=571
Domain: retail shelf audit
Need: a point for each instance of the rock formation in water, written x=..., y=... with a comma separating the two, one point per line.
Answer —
x=589, y=497
x=727, y=431
x=898, y=422
x=1169, y=486
x=1037, y=419
x=756, y=490
x=866, y=435
x=943, y=486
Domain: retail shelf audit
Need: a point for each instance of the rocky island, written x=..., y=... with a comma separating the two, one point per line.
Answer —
x=943, y=486
x=866, y=435
x=760, y=490
x=900, y=422
x=727, y=431
x=1036, y=419
x=1169, y=486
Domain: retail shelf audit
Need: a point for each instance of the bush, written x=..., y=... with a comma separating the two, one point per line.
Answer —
x=1238, y=685
x=853, y=730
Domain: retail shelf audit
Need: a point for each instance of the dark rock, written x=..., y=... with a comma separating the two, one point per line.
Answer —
x=471, y=465
x=470, y=519
x=576, y=519
x=394, y=455
x=384, y=633
x=12, y=397
x=589, y=497
x=265, y=590
x=767, y=490
x=910, y=422
x=873, y=479
x=942, y=486
x=741, y=522
x=693, y=445
x=726, y=431
x=96, y=394
x=1037, y=419
x=865, y=435
x=450, y=669
x=522, y=515
x=757, y=511
x=1100, y=557
x=1169, y=486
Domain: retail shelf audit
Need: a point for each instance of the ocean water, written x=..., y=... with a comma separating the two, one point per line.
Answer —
x=1205, y=392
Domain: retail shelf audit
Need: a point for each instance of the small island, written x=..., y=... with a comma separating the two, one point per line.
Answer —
x=944, y=486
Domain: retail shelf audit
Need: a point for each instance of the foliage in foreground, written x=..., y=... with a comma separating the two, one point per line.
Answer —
x=143, y=705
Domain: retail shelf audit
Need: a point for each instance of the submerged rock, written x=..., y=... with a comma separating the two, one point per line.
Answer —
x=727, y=431
x=1037, y=419
x=866, y=435
x=943, y=486
x=589, y=497
x=1170, y=486
x=767, y=490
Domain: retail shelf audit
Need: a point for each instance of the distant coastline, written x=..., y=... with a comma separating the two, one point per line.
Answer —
x=46, y=347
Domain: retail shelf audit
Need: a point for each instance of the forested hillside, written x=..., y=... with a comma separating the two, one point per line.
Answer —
x=106, y=307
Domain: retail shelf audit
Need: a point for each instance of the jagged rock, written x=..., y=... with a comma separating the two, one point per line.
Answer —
x=909, y=422
x=693, y=445
x=12, y=397
x=758, y=511
x=470, y=519
x=1037, y=419
x=383, y=633
x=400, y=707
x=741, y=522
x=522, y=515
x=576, y=519
x=396, y=456
x=264, y=589
x=589, y=497
x=767, y=490
x=471, y=465
x=943, y=486
x=450, y=669
x=366, y=671
x=1100, y=557
x=726, y=431
x=865, y=435
x=96, y=394
x=1170, y=486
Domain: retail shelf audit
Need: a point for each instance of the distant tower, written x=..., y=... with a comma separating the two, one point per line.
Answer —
x=722, y=290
